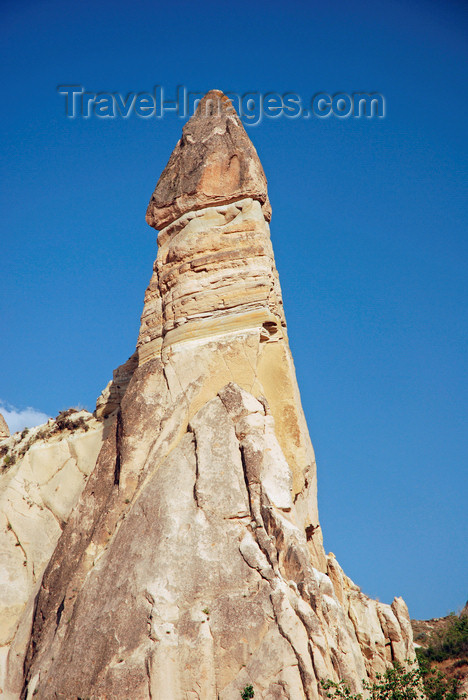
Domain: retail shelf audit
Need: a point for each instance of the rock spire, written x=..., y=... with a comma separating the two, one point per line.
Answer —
x=4, y=430
x=193, y=564
x=213, y=163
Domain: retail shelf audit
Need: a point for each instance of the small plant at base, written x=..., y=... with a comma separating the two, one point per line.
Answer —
x=339, y=691
x=400, y=683
x=437, y=686
x=448, y=643
x=248, y=692
x=206, y=611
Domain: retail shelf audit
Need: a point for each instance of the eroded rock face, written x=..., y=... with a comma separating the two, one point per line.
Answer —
x=43, y=474
x=193, y=562
x=213, y=163
x=4, y=430
x=206, y=584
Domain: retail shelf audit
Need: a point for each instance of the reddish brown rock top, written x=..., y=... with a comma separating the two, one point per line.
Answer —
x=213, y=163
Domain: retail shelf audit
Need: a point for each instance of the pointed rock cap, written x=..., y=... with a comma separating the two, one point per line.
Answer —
x=4, y=430
x=213, y=163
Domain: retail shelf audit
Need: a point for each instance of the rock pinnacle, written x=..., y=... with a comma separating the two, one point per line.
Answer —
x=192, y=564
x=4, y=430
x=213, y=163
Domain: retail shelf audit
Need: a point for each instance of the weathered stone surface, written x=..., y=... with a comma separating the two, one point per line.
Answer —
x=109, y=400
x=4, y=429
x=214, y=314
x=46, y=473
x=206, y=584
x=213, y=163
x=192, y=564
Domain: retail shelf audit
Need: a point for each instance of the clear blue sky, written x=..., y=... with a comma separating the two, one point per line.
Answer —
x=369, y=230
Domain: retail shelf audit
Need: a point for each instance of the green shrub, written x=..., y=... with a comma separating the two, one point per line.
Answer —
x=248, y=692
x=437, y=686
x=401, y=683
x=448, y=643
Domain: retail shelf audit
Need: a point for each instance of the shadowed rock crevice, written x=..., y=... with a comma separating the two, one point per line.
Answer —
x=118, y=446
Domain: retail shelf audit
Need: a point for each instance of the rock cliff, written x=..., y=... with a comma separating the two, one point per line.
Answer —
x=43, y=472
x=192, y=564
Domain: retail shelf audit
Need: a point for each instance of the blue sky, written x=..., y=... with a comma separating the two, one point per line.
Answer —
x=369, y=232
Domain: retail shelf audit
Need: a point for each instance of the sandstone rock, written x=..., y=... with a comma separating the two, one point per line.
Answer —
x=109, y=400
x=206, y=585
x=213, y=163
x=4, y=430
x=192, y=564
x=48, y=472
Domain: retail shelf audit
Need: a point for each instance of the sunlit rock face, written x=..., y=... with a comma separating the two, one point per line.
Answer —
x=43, y=473
x=192, y=564
x=213, y=163
x=4, y=430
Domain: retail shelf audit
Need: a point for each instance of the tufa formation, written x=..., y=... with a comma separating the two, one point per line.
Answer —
x=4, y=430
x=192, y=563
